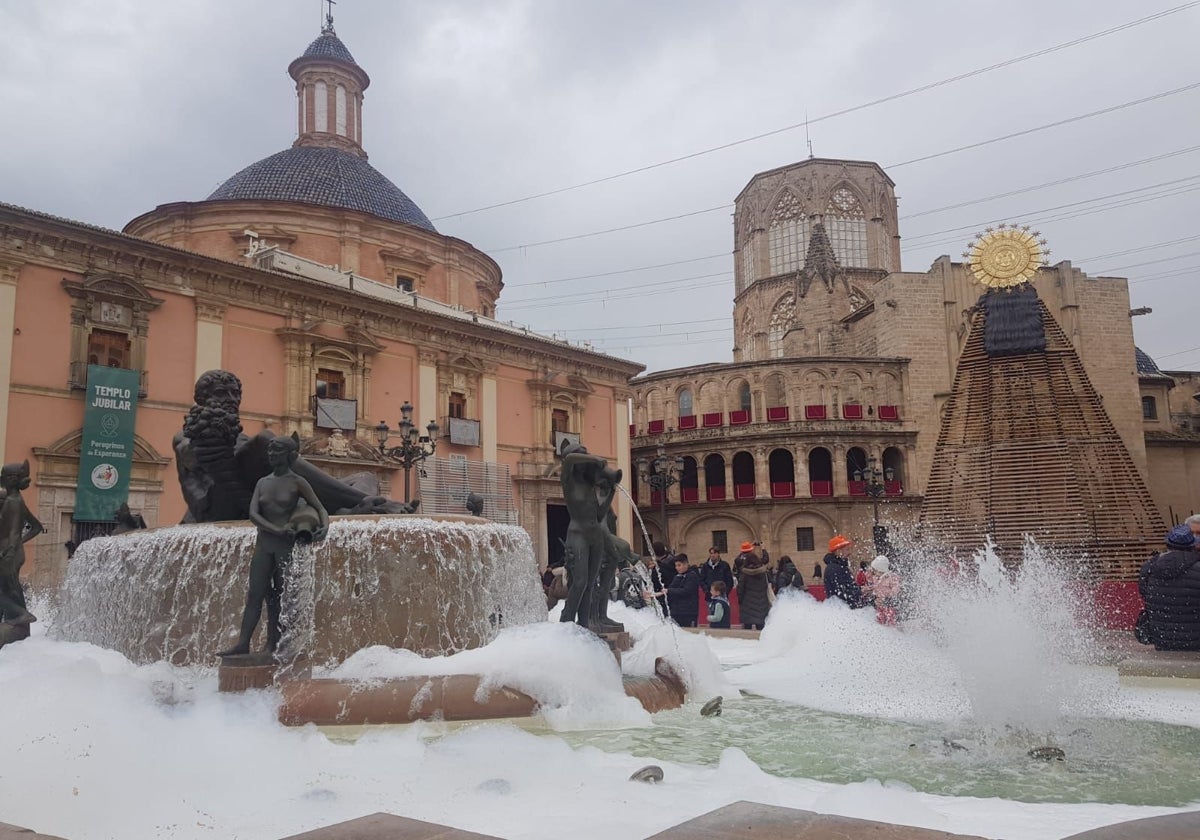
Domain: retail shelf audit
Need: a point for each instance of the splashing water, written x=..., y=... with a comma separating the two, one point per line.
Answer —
x=298, y=613
x=433, y=585
x=1018, y=636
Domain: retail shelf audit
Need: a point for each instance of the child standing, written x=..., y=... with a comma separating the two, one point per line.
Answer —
x=718, y=606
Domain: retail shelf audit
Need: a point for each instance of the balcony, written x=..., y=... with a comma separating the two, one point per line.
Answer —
x=743, y=491
x=712, y=420
x=778, y=414
x=893, y=488
x=852, y=412
x=783, y=490
x=820, y=488
x=857, y=488
x=888, y=412
x=77, y=379
x=689, y=495
x=688, y=422
x=656, y=427
x=715, y=493
x=814, y=412
x=739, y=418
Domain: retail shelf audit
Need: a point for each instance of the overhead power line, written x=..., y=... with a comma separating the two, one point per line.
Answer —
x=832, y=115
x=932, y=156
x=615, y=272
x=1056, y=183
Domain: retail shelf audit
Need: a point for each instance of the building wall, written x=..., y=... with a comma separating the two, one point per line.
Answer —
x=273, y=331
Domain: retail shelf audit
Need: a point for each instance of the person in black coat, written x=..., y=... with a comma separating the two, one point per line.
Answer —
x=1170, y=585
x=788, y=576
x=683, y=593
x=839, y=582
x=664, y=558
x=715, y=570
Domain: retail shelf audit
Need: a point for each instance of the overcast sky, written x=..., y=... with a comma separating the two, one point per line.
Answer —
x=112, y=108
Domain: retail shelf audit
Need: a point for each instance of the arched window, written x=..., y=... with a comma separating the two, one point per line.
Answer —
x=893, y=471
x=776, y=391
x=782, y=469
x=1149, y=408
x=787, y=236
x=714, y=478
x=689, y=481
x=743, y=476
x=685, y=403
x=856, y=462
x=820, y=472
x=744, y=396
x=846, y=224
x=782, y=321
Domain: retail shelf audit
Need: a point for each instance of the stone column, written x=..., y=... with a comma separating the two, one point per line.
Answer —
x=840, y=485
x=425, y=406
x=8, y=321
x=488, y=416
x=762, y=473
x=210, y=334
x=621, y=505
x=800, y=456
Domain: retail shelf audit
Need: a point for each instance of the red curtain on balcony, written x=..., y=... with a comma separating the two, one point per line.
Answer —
x=852, y=412
x=743, y=491
x=889, y=412
x=820, y=488
x=739, y=418
x=857, y=488
x=656, y=427
x=688, y=422
x=783, y=489
x=715, y=494
x=713, y=420
x=778, y=414
x=690, y=495
x=814, y=412
x=893, y=488
x=655, y=498
x=632, y=430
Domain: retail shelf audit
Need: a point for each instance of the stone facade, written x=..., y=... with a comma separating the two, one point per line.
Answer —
x=816, y=336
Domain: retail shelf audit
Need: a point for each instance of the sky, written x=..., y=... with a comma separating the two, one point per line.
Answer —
x=112, y=108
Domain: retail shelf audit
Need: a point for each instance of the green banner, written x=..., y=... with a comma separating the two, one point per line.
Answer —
x=106, y=452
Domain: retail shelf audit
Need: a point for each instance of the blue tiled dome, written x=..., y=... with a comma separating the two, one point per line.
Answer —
x=329, y=45
x=330, y=177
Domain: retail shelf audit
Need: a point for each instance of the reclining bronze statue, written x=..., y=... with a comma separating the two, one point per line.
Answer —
x=219, y=465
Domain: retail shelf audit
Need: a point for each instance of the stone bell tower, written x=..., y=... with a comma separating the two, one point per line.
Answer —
x=329, y=94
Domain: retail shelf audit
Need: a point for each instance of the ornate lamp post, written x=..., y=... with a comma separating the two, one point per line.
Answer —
x=414, y=447
x=660, y=472
x=870, y=475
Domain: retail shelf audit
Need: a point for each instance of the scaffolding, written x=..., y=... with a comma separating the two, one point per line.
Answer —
x=446, y=482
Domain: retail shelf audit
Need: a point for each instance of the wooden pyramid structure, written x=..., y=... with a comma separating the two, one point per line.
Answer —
x=1026, y=448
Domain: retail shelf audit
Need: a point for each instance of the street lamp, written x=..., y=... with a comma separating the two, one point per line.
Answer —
x=661, y=472
x=870, y=476
x=414, y=447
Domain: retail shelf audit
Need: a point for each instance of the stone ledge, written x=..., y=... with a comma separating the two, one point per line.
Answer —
x=387, y=827
x=1184, y=826
x=754, y=821
x=1148, y=662
x=15, y=832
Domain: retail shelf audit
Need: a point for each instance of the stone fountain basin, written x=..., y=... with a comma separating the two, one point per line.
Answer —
x=459, y=697
x=435, y=585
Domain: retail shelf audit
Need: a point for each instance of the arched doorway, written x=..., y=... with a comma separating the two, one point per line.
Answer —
x=714, y=478
x=689, y=481
x=782, y=469
x=743, y=476
x=820, y=472
x=856, y=465
x=893, y=471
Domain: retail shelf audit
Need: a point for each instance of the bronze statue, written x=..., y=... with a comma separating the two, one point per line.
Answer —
x=474, y=504
x=17, y=527
x=127, y=520
x=588, y=488
x=219, y=466
x=285, y=509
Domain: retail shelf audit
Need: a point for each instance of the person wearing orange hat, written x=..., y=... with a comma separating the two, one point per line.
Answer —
x=839, y=582
x=751, y=571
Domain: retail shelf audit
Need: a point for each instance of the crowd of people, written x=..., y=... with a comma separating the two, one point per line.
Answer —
x=678, y=586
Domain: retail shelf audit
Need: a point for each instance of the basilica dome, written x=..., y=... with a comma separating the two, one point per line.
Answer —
x=327, y=176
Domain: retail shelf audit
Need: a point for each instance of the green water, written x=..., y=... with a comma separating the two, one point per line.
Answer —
x=1112, y=761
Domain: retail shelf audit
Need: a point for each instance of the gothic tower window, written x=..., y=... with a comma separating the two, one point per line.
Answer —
x=846, y=224
x=787, y=236
x=782, y=321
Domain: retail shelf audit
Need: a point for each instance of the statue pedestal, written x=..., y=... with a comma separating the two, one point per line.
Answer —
x=617, y=642
x=245, y=671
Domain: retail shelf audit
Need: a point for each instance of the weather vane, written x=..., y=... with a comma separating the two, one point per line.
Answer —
x=1006, y=255
x=329, y=4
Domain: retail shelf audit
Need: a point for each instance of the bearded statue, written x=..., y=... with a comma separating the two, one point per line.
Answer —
x=219, y=465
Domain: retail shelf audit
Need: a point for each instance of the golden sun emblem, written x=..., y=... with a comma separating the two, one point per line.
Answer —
x=1006, y=255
